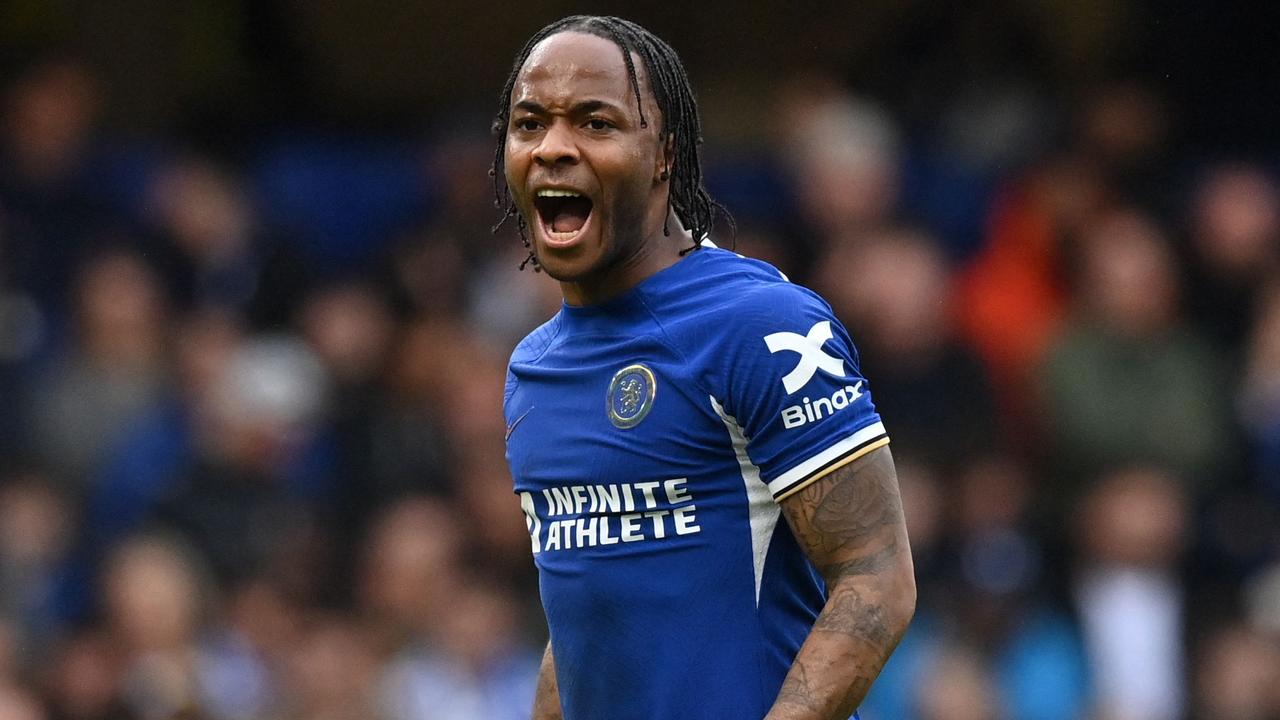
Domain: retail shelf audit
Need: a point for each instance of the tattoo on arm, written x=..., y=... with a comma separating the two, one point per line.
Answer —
x=851, y=526
x=849, y=521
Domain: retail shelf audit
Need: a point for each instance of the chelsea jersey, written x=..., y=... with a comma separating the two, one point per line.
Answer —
x=651, y=438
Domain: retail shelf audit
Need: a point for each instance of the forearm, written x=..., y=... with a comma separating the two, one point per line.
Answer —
x=851, y=640
x=546, y=698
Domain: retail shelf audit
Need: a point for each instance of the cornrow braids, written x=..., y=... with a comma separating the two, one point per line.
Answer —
x=681, y=127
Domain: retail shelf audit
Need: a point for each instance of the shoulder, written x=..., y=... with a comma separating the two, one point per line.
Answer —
x=528, y=351
x=535, y=344
x=733, y=295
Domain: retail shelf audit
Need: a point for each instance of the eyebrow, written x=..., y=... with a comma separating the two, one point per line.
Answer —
x=582, y=108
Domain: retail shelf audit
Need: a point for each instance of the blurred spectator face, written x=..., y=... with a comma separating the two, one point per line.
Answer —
x=120, y=309
x=1073, y=192
x=330, y=673
x=843, y=153
x=1123, y=124
x=893, y=290
x=921, y=503
x=152, y=596
x=1237, y=222
x=1238, y=677
x=16, y=704
x=431, y=271
x=994, y=493
x=478, y=627
x=958, y=687
x=350, y=328
x=35, y=523
x=261, y=613
x=206, y=343
x=265, y=402
x=410, y=564
x=83, y=684
x=445, y=365
x=467, y=195
x=1128, y=280
x=486, y=496
x=204, y=211
x=51, y=110
x=1134, y=517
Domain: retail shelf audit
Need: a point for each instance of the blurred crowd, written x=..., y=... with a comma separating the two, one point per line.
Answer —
x=251, y=458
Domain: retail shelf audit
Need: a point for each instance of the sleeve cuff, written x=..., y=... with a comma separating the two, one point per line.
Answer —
x=841, y=453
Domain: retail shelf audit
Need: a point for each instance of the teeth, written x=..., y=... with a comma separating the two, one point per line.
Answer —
x=548, y=192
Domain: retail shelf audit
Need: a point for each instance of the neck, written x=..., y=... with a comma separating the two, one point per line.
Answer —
x=657, y=252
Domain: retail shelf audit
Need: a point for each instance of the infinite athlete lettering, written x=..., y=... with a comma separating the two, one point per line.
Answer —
x=578, y=516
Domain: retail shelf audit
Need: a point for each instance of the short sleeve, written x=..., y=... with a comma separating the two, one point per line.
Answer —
x=792, y=387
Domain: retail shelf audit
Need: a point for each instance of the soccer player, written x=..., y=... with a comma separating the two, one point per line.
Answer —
x=682, y=401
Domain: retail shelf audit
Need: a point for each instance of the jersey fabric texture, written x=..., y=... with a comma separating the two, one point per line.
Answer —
x=650, y=439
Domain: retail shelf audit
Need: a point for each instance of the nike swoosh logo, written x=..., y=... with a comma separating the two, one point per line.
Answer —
x=512, y=427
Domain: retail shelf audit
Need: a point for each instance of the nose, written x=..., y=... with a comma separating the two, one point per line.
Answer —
x=557, y=146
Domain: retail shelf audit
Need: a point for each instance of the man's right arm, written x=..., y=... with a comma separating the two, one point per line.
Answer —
x=546, y=699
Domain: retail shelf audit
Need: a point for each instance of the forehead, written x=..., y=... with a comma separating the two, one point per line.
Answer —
x=571, y=66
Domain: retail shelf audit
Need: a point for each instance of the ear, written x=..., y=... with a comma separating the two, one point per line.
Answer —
x=662, y=171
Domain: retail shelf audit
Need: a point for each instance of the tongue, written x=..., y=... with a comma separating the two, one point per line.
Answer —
x=572, y=215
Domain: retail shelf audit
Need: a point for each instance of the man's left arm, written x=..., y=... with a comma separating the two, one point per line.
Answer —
x=850, y=525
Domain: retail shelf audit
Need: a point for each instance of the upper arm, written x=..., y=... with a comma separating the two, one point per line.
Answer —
x=788, y=380
x=849, y=521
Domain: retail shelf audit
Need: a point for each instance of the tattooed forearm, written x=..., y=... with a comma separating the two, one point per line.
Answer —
x=546, y=698
x=849, y=613
x=850, y=524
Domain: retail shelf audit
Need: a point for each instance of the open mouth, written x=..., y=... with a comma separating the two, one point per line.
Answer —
x=563, y=213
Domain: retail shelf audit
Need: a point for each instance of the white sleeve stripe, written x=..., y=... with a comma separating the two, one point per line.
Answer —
x=798, y=474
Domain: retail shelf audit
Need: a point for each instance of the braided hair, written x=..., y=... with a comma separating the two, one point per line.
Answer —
x=681, y=127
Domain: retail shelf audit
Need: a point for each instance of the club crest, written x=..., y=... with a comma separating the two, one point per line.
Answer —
x=631, y=395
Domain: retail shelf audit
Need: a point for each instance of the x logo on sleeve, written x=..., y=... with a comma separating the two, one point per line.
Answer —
x=812, y=357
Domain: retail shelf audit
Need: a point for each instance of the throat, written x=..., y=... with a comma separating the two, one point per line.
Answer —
x=571, y=215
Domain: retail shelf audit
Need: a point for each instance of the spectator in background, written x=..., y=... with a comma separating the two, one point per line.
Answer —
x=477, y=667
x=36, y=533
x=1131, y=531
x=331, y=674
x=113, y=372
x=957, y=685
x=1011, y=298
x=892, y=287
x=213, y=251
x=155, y=608
x=410, y=567
x=1126, y=380
x=1238, y=676
x=1123, y=127
x=1259, y=400
x=52, y=212
x=247, y=498
x=1235, y=245
x=843, y=157
x=350, y=327
x=988, y=602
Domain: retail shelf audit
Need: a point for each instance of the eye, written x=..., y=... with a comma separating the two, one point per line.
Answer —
x=527, y=124
x=599, y=124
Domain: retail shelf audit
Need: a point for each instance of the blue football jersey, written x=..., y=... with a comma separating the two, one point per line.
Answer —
x=650, y=439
